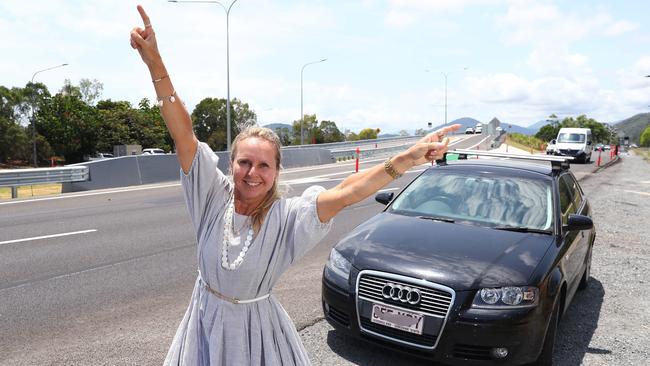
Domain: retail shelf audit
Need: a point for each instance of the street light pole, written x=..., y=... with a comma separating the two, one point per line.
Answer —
x=446, y=75
x=227, y=10
x=302, y=115
x=32, y=110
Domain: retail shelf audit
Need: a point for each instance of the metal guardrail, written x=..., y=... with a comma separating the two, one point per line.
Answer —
x=344, y=144
x=24, y=177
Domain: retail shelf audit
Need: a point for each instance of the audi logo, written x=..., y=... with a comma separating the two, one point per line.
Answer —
x=401, y=293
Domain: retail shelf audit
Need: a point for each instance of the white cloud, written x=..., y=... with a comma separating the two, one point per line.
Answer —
x=620, y=27
x=398, y=18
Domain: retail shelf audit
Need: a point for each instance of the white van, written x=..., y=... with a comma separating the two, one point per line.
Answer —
x=574, y=142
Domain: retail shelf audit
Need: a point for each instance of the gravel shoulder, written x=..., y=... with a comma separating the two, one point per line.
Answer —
x=606, y=324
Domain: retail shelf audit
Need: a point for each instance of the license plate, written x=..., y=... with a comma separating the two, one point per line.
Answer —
x=397, y=318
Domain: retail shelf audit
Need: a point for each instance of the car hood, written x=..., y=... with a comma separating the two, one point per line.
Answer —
x=460, y=256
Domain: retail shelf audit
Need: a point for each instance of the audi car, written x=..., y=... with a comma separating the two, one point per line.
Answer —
x=474, y=262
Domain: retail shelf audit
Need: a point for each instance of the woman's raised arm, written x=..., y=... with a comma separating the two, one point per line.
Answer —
x=357, y=187
x=173, y=111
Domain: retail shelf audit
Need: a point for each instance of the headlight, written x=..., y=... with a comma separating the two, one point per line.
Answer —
x=337, y=270
x=505, y=297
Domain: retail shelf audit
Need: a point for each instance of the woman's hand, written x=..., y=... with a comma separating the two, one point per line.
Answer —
x=432, y=146
x=144, y=40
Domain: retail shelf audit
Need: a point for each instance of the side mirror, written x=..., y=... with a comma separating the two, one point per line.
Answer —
x=384, y=197
x=588, y=142
x=579, y=222
x=553, y=142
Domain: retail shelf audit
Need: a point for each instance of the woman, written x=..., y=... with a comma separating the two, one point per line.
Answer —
x=247, y=235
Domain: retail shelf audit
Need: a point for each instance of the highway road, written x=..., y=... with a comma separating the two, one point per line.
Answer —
x=104, y=277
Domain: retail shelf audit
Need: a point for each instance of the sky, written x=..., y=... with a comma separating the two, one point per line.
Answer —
x=387, y=61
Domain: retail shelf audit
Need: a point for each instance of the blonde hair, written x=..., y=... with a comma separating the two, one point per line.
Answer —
x=258, y=215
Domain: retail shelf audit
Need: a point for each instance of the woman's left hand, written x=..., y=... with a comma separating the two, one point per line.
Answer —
x=432, y=146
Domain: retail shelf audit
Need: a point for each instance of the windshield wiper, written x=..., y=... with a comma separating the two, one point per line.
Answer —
x=437, y=218
x=522, y=229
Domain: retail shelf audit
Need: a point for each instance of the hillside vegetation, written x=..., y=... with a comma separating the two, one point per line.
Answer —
x=633, y=126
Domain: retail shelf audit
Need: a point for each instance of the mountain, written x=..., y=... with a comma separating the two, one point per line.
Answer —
x=274, y=126
x=466, y=122
x=537, y=125
x=633, y=126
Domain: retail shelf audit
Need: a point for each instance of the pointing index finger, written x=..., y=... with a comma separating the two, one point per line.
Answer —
x=144, y=16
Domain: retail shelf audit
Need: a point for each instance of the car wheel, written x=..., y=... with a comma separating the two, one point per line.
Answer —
x=584, y=281
x=546, y=357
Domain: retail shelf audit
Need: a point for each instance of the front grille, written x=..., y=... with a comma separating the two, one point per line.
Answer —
x=568, y=151
x=338, y=316
x=434, y=302
x=471, y=352
x=426, y=340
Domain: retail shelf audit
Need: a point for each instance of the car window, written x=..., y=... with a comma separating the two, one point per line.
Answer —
x=481, y=198
x=576, y=195
x=566, y=198
x=571, y=137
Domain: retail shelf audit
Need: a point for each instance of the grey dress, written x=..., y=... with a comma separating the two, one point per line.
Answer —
x=218, y=332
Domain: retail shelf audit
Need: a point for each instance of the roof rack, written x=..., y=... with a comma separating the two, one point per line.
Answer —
x=557, y=162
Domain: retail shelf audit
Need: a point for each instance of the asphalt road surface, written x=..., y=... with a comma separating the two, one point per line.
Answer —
x=104, y=277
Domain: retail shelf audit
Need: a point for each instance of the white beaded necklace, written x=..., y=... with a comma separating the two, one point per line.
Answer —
x=227, y=238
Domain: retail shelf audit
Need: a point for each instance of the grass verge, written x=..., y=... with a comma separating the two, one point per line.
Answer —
x=517, y=145
x=643, y=152
x=32, y=191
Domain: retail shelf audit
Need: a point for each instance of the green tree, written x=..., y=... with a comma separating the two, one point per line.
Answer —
x=645, y=137
x=90, y=90
x=404, y=133
x=368, y=133
x=69, y=125
x=548, y=132
x=209, y=119
x=352, y=137
x=330, y=133
x=420, y=132
x=285, y=135
x=310, y=128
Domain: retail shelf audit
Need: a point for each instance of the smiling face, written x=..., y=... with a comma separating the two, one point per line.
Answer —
x=254, y=171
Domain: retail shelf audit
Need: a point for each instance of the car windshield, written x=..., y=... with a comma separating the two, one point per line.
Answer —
x=482, y=198
x=571, y=137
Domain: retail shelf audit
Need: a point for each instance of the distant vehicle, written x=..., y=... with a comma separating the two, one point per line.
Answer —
x=574, y=142
x=499, y=129
x=152, y=151
x=100, y=156
x=469, y=130
x=599, y=147
x=550, y=148
x=478, y=129
x=607, y=147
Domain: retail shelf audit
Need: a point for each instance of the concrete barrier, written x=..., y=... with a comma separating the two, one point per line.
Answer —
x=147, y=169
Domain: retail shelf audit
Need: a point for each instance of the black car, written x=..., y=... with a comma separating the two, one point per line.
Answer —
x=473, y=263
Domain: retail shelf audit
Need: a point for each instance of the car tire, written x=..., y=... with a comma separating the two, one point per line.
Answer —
x=584, y=281
x=546, y=356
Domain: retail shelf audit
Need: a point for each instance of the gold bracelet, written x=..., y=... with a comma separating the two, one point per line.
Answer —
x=160, y=78
x=390, y=169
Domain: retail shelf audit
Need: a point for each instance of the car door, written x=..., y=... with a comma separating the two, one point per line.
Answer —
x=582, y=208
x=570, y=238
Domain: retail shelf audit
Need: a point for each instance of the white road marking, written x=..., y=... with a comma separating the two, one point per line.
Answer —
x=47, y=236
x=95, y=193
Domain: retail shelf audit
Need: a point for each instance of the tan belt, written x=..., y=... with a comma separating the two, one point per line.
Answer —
x=233, y=300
